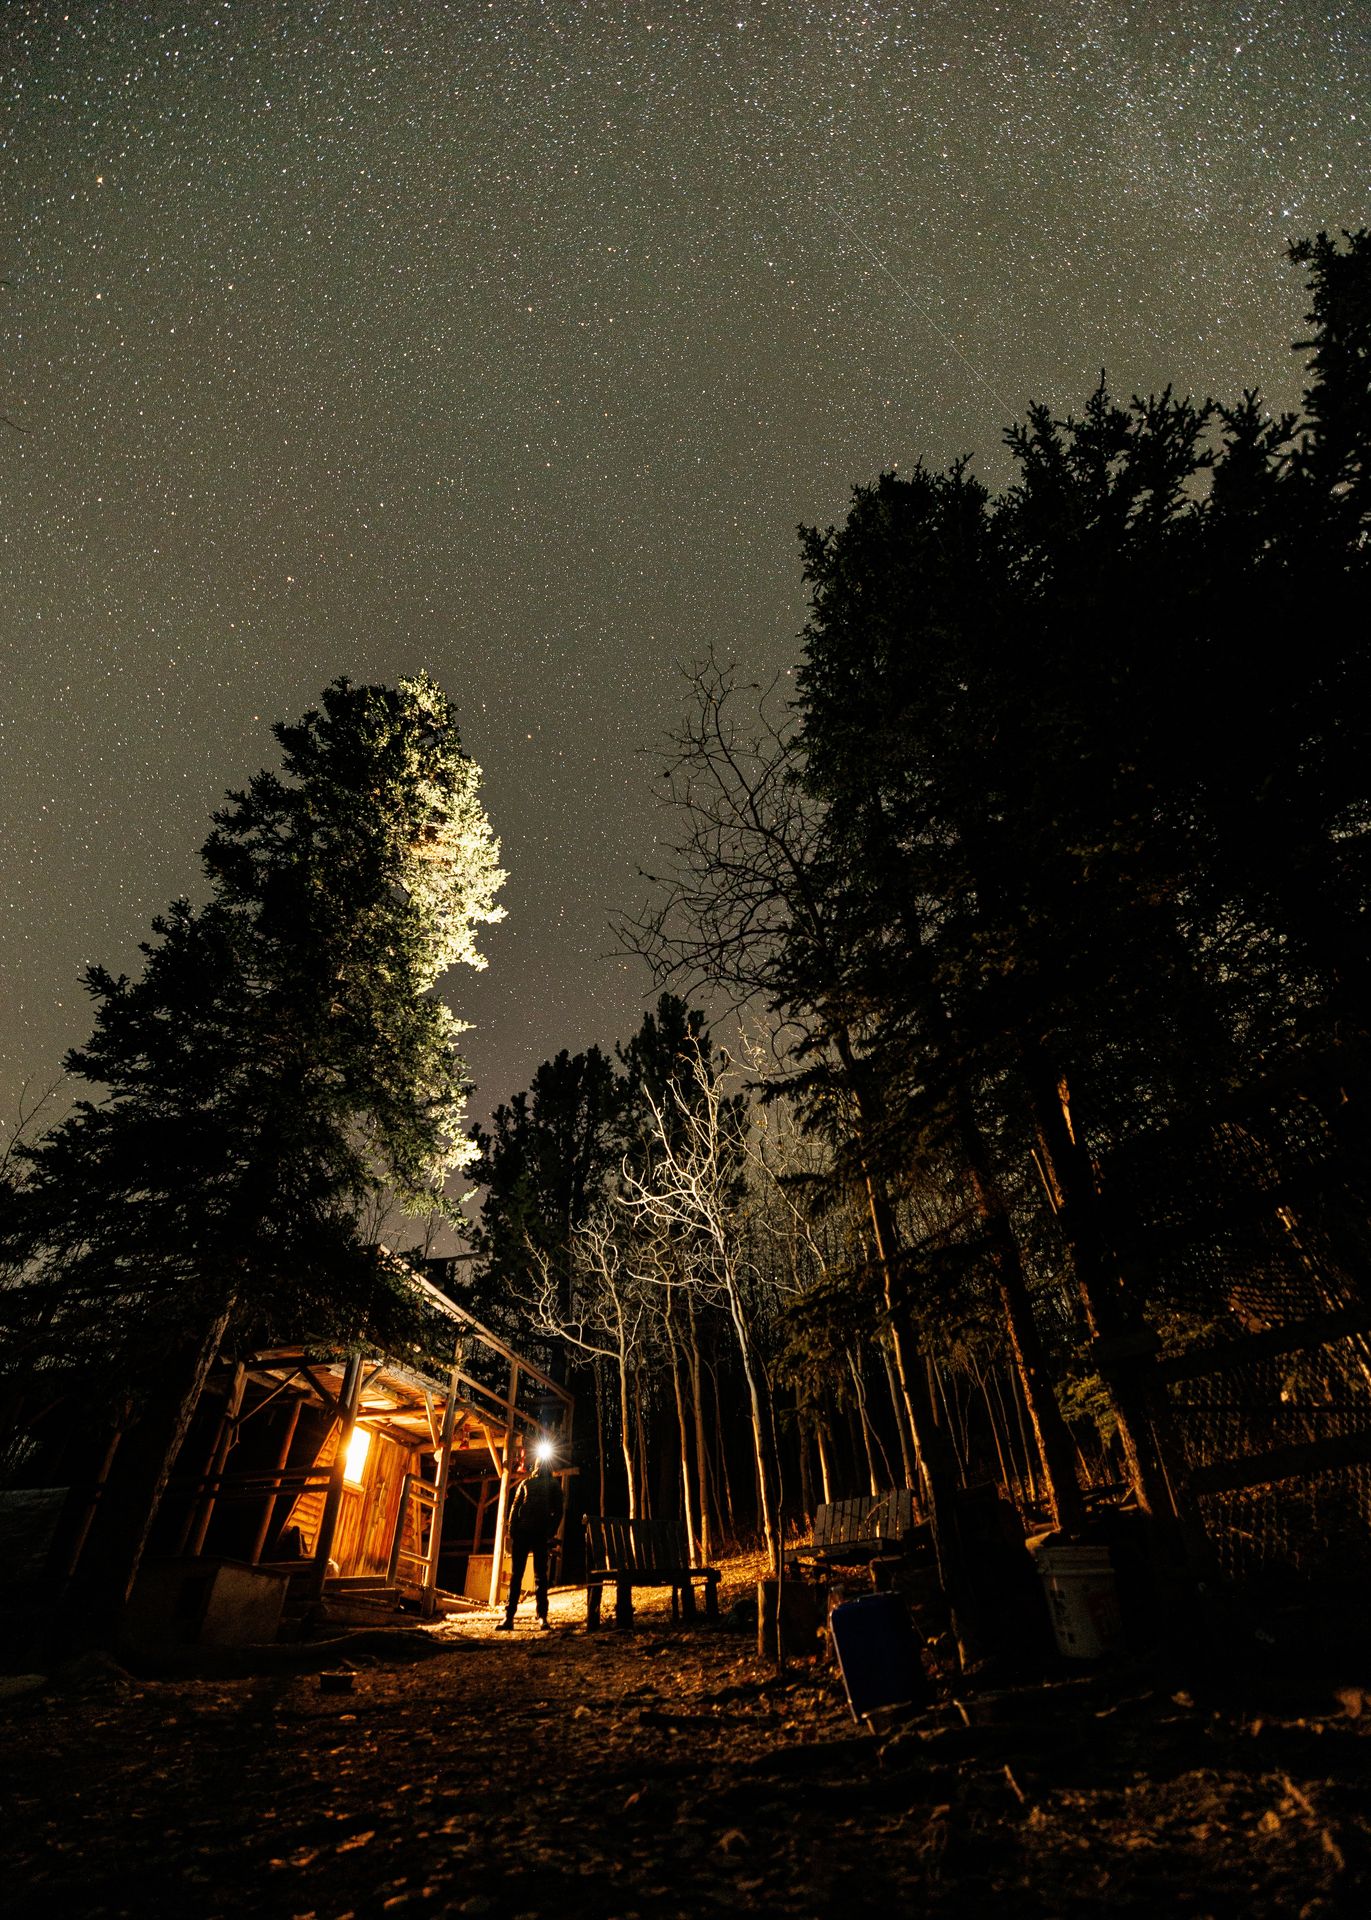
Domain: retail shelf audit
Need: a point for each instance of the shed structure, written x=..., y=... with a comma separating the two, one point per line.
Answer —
x=361, y=1474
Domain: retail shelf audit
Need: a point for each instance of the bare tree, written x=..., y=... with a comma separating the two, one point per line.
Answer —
x=608, y=1317
x=691, y=1193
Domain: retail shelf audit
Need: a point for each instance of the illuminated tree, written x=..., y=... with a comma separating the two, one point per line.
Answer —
x=281, y=1061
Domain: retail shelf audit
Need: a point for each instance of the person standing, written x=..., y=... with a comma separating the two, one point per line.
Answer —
x=534, y=1515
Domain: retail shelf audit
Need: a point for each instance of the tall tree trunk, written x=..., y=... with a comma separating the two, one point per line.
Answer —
x=1037, y=1490
x=708, y=1502
x=825, y=1471
x=600, y=1428
x=958, y=1437
x=864, y=1427
x=725, y=1477
x=674, y=1361
x=806, y=1477
x=1026, y=1348
x=1122, y=1340
x=900, y=1415
x=936, y=1468
x=1007, y=1475
x=625, y=1432
x=645, y=1493
x=761, y=1451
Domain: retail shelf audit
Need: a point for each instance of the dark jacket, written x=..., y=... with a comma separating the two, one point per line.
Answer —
x=537, y=1506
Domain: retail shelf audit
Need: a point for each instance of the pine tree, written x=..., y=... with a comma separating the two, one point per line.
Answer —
x=543, y=1165
x=281, y=1064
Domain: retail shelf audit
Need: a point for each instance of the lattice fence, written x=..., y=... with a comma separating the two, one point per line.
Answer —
x=1255, y=1239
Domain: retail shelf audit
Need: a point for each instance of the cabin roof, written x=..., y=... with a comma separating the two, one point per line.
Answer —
x=407, y=1403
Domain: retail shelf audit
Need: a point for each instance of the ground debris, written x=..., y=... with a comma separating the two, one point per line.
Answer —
x=664, y=1772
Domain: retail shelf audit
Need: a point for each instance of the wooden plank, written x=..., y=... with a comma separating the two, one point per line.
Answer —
x=257, y=1483
x=1318, y=1332
x=333, y=1499
x=435, y=1544
x=453, y=1312
x=397, y=1542
x=257, y=1378
x=840, y=1523
x=502, y=1506
x=636, y=1548
x=269, y=1499
x=226, y=1437
x=327, y=1395
x=478, y=1525
x=1284, y=1463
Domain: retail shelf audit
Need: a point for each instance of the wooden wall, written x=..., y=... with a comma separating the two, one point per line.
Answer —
x=366, y=1525
x=309, y=1508
x=366, y=1520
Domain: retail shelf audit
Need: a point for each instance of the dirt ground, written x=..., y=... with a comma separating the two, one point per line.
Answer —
x=666, y=1771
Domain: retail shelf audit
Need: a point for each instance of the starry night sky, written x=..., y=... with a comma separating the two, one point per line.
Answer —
x=513, y=340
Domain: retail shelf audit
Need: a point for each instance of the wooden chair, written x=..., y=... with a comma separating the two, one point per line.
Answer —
x=642, y=1553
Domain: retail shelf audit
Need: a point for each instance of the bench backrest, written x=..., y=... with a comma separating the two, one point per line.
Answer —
x=633, y=1546
x=837, y=1523
x=844, y=1523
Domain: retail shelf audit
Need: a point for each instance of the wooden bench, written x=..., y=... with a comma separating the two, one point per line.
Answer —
x=860, y=1528
x=642, y=1553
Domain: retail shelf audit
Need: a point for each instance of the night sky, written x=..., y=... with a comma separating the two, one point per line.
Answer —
x=513, y=340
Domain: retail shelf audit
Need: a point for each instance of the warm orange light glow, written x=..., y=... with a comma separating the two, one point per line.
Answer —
x=358, y=1447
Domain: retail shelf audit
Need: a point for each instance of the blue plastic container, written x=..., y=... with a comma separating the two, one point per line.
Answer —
x=878, y=1653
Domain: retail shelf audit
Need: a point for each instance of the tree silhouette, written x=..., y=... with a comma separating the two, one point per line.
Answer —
x=279, y=1062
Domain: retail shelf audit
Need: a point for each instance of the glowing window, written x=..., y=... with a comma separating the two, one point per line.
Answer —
x=358, y=1448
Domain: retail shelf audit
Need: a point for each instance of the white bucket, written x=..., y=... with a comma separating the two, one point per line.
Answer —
x=1082, y=1599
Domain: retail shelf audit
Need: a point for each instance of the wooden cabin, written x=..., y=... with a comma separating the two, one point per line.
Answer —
x=353, y=1478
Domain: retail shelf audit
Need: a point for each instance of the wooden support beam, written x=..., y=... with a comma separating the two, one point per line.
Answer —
x=202, y=1512
x=565, y=1475
x=398, y=1541
x=259, y=1379
x=479, y=1524
x=333, y=1499
x=269, y=1504
x=1318, y=1332
x=326, y=1394
x=435, y=1538
x=506, y=1463
x=72, y=1553
x=1284, y=1463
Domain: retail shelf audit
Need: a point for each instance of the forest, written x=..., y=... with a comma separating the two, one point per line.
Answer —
x=1018, y=1134
x=1001, y=1121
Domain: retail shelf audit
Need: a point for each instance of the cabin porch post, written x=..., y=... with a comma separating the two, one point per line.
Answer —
x=502, y=1508
x=429, y=1597
x=282, y=1462
x=333, y=1501
x=197, y=1522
